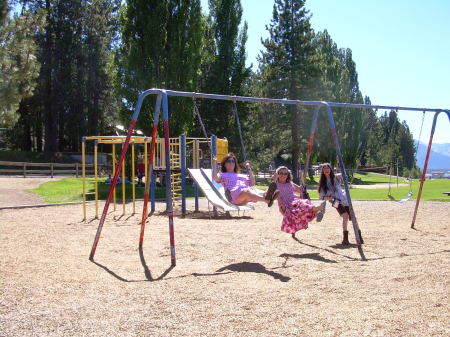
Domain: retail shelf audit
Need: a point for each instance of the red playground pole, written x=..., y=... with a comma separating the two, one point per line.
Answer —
x=169, y=194
x=148, y=176
x=424, y=171
x=111, y=189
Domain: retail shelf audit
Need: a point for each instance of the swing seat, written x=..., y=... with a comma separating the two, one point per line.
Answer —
x=406, y=198
x=391, y=197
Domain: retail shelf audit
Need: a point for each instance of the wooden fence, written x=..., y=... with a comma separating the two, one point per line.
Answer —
x=47, y=169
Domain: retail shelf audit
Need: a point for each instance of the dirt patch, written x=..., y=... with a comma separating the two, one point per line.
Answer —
x=14, y=191
x=234, y=277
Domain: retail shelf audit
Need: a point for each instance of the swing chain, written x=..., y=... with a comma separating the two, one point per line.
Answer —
x=236, y=116
x=196, y=112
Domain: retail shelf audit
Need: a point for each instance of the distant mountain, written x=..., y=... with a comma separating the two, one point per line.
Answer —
x=441, y=148
x=439, y=156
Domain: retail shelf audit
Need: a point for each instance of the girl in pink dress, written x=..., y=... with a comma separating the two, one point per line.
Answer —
x=297, y=212
x=238, y=184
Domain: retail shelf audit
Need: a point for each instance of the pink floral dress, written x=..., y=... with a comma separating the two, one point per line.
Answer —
x=236, y=183
x=298, y=212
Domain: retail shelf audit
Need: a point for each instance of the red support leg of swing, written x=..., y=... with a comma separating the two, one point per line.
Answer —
x=147, y=184
x=111, y=189
x=424, y=171
x=169, y=193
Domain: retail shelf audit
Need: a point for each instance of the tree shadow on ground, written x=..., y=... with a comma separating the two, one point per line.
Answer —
x=251, y=267
x=202, y=215
x=312, y=256
x=341, y=246
x=327, y=250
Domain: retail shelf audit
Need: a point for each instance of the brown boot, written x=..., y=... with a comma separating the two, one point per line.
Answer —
x=270, y=191
x=274, y=197
x=345, y=241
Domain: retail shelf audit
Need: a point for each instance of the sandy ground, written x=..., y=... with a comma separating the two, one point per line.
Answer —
x=234, y=277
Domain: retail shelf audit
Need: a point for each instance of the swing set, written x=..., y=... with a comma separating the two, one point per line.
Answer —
x=162, y=101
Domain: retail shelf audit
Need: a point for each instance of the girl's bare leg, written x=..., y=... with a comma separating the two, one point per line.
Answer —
x=344, y=221
x=250, y=196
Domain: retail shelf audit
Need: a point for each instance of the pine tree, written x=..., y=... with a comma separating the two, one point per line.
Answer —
x=161, y=48
x=339, y=82
x=290, y=64
x=370, y=124
x=18, y=62
x=223, y=68
x=74, y=89
x=3, y=12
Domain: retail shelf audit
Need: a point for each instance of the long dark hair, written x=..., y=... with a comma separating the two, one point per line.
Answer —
x=323, y=179
x=230, y=155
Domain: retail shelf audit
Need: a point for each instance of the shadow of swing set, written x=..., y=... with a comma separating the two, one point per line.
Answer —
x=162, y=101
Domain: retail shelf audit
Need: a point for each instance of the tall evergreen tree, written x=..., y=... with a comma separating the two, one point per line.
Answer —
x=370, y=124
x=18, y=63
x=391, y=142
x=3, y=12
x=161, y=48
x=339, y=80
x=223, y=68
x=290, y=65
x=74, y=89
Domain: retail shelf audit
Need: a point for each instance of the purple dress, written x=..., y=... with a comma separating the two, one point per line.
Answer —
x=298, y=212
x=236, y=183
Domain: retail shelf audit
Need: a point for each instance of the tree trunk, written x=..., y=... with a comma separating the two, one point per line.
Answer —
x=51, y=144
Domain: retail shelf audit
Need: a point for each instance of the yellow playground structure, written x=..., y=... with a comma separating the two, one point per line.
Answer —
x=185, y=152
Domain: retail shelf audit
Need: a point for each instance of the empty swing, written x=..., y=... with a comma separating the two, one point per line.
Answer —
x=410, y=193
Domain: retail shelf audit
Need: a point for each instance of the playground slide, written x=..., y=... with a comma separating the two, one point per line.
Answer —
x=214, y=191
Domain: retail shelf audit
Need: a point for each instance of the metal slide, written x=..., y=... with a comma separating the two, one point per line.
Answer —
x=214, y=191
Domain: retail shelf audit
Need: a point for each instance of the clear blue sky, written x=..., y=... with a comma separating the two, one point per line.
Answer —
x=401, y=49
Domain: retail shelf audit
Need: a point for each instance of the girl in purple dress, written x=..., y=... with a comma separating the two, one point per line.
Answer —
x=238, y=184
x=297, y=212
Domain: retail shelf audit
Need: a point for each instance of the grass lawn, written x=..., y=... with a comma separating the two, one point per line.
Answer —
x=432, y=189
x=70, y=189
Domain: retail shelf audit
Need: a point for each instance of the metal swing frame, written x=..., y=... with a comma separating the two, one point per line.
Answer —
x=162, y=100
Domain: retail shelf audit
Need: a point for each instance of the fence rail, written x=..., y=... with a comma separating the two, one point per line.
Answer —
x=24, y=169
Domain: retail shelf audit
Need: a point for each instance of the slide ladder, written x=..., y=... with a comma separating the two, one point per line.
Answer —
x=175, y=164
x=176, y=187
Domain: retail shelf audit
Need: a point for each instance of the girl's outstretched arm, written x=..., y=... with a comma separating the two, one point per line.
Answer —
x=215, y=175
x=298, y=188
x=252, y=179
